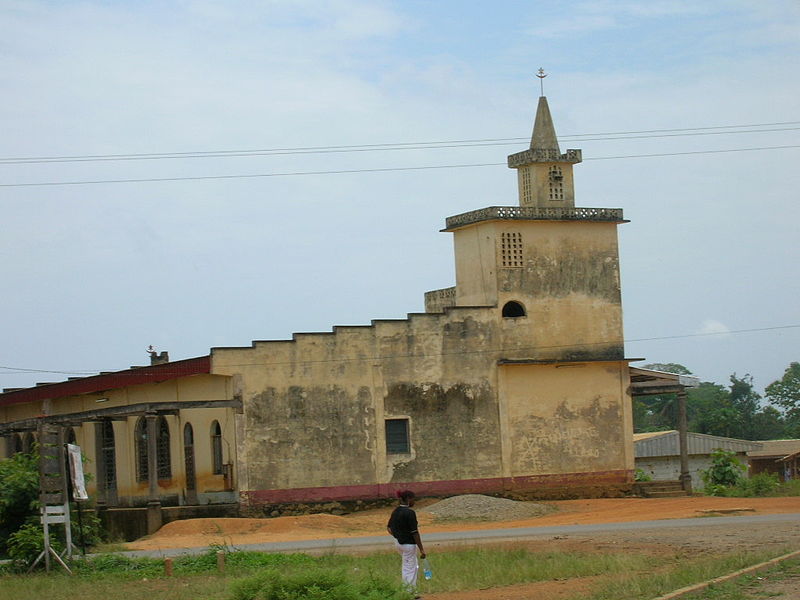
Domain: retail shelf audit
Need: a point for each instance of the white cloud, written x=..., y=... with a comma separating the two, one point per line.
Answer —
x=712, y=327
x=571, y=25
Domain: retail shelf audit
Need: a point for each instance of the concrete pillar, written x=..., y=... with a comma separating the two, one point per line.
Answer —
x=683, y=440
x=154, y=517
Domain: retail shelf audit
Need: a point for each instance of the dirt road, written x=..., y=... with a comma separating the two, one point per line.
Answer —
x=192, y=533
x=687, y=541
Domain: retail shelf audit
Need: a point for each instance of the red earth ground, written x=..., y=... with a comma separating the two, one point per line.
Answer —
x=688, y=541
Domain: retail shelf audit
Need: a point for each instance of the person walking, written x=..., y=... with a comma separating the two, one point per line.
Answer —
x=402, y=526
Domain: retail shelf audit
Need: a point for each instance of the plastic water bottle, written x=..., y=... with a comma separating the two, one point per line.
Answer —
x=426, y=569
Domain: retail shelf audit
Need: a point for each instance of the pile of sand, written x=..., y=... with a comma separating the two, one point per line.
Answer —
x=476, y=507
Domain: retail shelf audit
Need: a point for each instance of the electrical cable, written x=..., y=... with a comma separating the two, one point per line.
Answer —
x=657, y=133
x=460, y=352
x=376, y=170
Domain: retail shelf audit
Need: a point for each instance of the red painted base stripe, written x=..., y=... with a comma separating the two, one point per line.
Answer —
x=436, y=488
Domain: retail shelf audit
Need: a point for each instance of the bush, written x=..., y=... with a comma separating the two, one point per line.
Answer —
x=316, y=584
x=763, y=484
x=19, y=493
x=725, y=471
x=640, y=475
x=789, y=488
x=27, y=542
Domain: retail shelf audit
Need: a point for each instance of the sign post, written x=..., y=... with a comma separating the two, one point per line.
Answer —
x=78, y=485
x=53, y=496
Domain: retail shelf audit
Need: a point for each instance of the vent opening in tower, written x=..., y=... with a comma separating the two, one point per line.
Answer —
x=513, y=309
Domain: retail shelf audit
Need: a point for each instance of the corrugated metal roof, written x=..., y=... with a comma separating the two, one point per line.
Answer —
x=650, y=434
x=778, y=448
x=665, y=443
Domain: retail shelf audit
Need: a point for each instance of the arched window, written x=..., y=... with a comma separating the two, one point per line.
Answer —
x=140, y=440
x=108, y=451
x=188, y=457
x=216, y=447
x=513, y=309
x=163, y=456
x=69, y=436
x=27, y=442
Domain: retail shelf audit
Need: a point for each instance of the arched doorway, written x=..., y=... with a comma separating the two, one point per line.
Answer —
x=188, y=457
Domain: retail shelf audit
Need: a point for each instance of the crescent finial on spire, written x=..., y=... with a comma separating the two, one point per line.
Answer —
x=541, y=75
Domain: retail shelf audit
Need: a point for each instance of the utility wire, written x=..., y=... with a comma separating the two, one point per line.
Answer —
x=654, y=133
x=376, y=170
x=425, y=355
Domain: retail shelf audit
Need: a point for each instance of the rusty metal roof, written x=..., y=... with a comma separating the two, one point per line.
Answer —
x=108, y=381
x=775, y=448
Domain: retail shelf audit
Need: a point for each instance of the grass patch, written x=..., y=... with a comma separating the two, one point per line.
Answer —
x=749, y=587
x=625, y=575
x=685, y=573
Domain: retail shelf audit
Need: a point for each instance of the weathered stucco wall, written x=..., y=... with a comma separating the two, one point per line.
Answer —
x=565, y=418
x=568, y=282
x=210, y=487
x=314, y=409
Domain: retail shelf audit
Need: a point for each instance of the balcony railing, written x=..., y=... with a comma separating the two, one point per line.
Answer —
x=533, y=213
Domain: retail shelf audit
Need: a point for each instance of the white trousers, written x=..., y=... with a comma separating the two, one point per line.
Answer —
x=410, y=565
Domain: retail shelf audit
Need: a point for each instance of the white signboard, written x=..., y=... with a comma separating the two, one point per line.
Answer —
x=76, y=473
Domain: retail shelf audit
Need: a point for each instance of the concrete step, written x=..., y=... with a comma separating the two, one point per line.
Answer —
x=660, y=489
x=666, y=494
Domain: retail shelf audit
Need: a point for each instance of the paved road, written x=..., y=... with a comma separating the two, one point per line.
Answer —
x=482, y=535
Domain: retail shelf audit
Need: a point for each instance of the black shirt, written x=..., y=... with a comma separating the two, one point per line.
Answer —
x=403, y=525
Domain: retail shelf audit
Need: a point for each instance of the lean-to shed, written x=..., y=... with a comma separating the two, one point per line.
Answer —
x=658, y=454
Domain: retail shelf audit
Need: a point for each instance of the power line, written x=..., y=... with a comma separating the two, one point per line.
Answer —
x=483, y=351
x=442, y=144
x=376, y=170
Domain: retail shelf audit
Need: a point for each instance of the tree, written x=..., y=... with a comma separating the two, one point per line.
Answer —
x=710, y=410
x=786, y=393
x=19, y=493
x=769, y=424
x=658, y=412
x=745, y=402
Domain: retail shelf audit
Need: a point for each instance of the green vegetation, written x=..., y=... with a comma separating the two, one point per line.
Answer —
x=736, y=411
x=726, y=471
x=750, y=587
x=652, y=585
x=763, y=484
x=259, y=576
x=21, y=536
x=19, y=490
x=267, y=576
x=786, y=393
x=317, y=584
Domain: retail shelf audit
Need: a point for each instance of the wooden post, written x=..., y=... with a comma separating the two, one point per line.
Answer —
x=168, y=567
x=220, y=561
x=683, y=440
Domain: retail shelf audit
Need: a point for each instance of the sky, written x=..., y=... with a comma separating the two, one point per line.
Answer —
x=225, y=249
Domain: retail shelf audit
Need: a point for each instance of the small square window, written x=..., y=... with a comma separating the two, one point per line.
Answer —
x=397, y=441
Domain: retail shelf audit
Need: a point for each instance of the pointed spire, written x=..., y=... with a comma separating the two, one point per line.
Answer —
x=544, y=133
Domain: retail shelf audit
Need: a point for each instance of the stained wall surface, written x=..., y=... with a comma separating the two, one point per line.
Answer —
x=129, y=490
x=314, y=409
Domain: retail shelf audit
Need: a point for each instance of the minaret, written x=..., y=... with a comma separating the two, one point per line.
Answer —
x=549, y=269
x=544, y=175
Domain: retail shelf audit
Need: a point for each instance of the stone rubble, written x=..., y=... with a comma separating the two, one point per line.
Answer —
x=477, y=507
